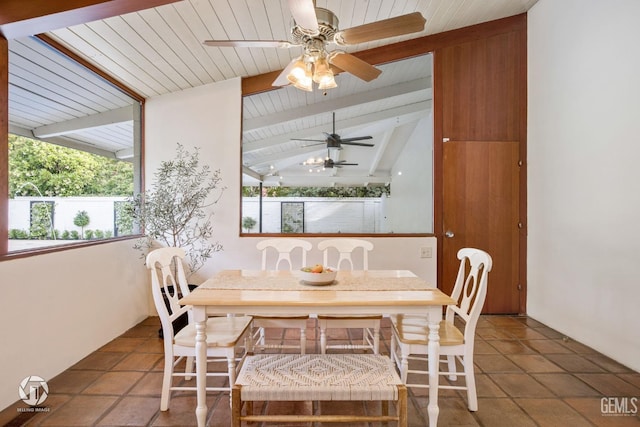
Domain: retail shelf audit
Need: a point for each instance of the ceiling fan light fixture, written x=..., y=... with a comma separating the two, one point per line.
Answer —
x=327, y=82
x=300, y=75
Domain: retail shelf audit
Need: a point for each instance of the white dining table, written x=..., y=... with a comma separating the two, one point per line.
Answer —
x=282, y=292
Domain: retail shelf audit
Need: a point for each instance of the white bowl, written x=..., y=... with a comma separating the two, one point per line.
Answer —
x=324, y=278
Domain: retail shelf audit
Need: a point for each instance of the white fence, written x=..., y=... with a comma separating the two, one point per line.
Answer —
x=317, y=214
x=101, y=211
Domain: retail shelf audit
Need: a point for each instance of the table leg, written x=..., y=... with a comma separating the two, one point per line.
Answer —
x=200, y=318
x=435, y=315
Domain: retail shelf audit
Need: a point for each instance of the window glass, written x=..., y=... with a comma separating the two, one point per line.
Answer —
x=353, y=159
x=74, y=151
x=59, y=195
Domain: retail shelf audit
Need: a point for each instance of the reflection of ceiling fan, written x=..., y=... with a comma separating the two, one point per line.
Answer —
x=333, y=140
x=314, y=28
x=327, y=163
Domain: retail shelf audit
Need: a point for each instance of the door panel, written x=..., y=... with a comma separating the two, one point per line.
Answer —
x=480, y=209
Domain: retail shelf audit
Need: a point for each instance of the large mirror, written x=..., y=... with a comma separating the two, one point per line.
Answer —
x=357, y=158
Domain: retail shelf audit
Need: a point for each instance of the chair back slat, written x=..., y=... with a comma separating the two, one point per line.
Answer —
x=168, y=285
x=346, y=249
x=284, y=247
x=470, y=289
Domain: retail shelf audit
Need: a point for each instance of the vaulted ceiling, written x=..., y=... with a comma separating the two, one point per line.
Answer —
x=160, y=50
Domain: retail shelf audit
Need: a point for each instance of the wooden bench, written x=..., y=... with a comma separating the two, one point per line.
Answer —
x=318, y=377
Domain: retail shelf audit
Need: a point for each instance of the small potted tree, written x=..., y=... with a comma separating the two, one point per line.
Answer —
x=176, y=211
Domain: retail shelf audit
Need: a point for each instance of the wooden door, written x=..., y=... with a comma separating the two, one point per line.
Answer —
x=481, y=210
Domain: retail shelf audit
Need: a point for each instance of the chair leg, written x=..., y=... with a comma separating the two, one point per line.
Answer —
x=236, y=406
x=166, y=382
x=303, y=340
x=376, y=340
x=231, y=366
x=323, y=339
x=470, y=378
x=404, y=364
x=188, y=368
x=451, y=360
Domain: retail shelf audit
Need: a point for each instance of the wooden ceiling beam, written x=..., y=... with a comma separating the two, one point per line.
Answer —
x=19, y=18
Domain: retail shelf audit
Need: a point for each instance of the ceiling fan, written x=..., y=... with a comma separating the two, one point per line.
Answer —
x=314, y=28
x=333, y=140
x=327, y=163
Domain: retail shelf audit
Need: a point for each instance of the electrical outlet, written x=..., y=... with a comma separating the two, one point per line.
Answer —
x=426, y=252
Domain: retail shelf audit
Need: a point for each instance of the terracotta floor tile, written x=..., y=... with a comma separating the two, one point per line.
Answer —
x=501, y=412
x=525, y=333
x=577, y=347
x=575, y=363
x=72, y=381
x=495, y=363
x=504, y=321
x=454, y=412
x=547, y=346
x=632, y=378
x=149, y=385
x=493, y=333
x=591, y=408
x=551, y=412
x=131, y=411
x=485, y=387
x=151, y=345
x=607, y=363
x=483, y=347
x=80, y=411
x=114, y=383
x=565, y=385
x=138, y=362
x=100, y=360
x=550, y=333
x=534, y=363
x=510, y=347
x=610, y=385
x=520, y=385
x=122, y=344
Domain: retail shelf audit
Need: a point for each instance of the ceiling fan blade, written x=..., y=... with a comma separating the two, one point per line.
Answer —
x=282, y=79
x=356, y=138
x=360, y=144
x=248, y=43
x=356, y=66
x=304, y=13
x=309, y=140
x=404, y=24
x=344, y=163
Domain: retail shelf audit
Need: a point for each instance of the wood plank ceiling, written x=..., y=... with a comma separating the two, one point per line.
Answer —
x=158, y=51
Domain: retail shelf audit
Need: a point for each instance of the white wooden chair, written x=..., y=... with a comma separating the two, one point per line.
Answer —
x=284, y=248
x=224, y=334
x=410, y=333
x=346, y=250
x=318, y=377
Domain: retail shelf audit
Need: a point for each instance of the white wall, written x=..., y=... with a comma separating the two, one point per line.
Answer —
x=583, y=151
x=408, y=213
x=57, y=308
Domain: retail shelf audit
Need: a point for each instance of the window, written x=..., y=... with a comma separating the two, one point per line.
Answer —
x=378, y=180
x=74, y=151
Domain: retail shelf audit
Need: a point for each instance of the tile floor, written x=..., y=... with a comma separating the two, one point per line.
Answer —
x=527, y=375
